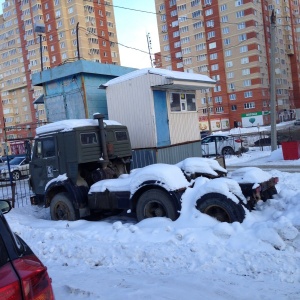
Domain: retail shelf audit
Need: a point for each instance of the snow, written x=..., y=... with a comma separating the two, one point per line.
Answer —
x=194, y=257
x=162, y=174
x=162, y=72
x=249, y=175
x=70, y=124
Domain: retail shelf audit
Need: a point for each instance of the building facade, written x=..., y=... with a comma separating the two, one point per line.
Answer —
x=36, y=35
x=229, y=41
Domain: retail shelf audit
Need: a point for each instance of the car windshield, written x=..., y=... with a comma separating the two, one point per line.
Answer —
x=16, y=160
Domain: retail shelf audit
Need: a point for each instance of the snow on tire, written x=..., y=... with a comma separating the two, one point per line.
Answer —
x=221, y=208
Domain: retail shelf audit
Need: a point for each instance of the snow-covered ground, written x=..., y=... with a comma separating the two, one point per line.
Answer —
x=194, y=257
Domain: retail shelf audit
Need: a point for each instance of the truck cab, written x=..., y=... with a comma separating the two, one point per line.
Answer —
x=77, y=152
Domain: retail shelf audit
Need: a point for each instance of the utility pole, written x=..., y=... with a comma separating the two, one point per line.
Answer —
x=149, y=48
x=208, y=112
x=272, y=85
x=77, y=40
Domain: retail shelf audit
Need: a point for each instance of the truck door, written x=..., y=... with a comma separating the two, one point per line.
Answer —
x=44, y=164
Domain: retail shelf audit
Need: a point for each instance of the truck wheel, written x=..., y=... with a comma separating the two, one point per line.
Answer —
x=221, y=208
x=155, y=203
x=61, y=208
x=269, y=193
x=16, y=175
x=227, y=151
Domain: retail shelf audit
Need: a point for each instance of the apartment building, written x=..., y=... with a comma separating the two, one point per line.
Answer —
x=229, y=40
x=40, y=34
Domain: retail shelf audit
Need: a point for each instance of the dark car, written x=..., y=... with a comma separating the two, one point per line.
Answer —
x=22, y=274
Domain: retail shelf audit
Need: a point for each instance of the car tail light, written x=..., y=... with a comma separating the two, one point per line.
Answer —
x=238, y=141
x=36, y=283
x=9, y=286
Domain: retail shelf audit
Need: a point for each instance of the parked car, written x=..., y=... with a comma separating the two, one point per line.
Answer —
x=297, y=122
x=19, y=167
x=22, y=274
x=223, y=145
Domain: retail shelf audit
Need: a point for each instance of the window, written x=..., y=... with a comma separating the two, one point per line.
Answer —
x=219, y=109
x=215, y=67
x=247, y=82
x=231, y=86
x=225, y=30
x=211, y=34
x=227, y=41
x=224, y=19
x=241, y=25
x=175, y=33
x=176, y=44
x=182, y=102
x=218, y=99
x=213, y=56
x=196, y=14
x=242, y=37
x=239, y=2
x=233, y=107
x=244, y=60
x=228, y=53
x=232, y=96
x=245, y=72
x=88, y=138
x=46, y=148
x=243, y=49
x=210, y=23
x=229, y=64
x=223, y=7
x=230, y=75
x=209, y=12
x=240, y=14
x=248, y=94
x=249, y=105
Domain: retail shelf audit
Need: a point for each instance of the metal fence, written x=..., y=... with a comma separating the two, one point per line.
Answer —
x=17, y=192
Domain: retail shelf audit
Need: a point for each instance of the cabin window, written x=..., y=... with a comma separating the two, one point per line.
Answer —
x=88, y=138
x=121, y=136
x=182, y=102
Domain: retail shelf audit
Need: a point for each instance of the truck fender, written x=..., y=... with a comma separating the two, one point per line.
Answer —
x=78, y=194
x=174, y=195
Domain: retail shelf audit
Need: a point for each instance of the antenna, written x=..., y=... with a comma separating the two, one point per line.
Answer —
x=149, y=47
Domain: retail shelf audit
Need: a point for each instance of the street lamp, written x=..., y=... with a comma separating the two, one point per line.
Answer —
x=40, y=28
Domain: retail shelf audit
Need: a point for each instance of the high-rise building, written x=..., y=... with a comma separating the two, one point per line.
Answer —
x=39, y=34
x=229, y=40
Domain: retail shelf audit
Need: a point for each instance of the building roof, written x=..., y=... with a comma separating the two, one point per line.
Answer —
x=171, y=79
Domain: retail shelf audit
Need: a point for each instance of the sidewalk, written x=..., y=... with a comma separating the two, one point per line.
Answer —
x=265, y=160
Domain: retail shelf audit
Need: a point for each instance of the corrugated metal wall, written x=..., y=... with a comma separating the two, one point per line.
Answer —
x=168, y=155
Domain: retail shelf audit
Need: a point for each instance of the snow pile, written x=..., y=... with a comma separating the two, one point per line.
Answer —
x=249, y=175
x=160, y=174
x=118, y=258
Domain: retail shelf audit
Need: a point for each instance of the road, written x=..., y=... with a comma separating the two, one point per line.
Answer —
x=282, y=168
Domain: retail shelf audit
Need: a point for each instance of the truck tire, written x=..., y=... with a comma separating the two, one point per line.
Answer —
x=61, y=208
x=269, y=193
x=155, y=203
x=221, y=208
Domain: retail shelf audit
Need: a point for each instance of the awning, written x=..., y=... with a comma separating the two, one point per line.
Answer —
x=39, y=100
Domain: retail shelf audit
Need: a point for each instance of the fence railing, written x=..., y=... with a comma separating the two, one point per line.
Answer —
x=17, y=192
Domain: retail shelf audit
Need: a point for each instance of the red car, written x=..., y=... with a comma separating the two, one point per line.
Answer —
x=22, y=275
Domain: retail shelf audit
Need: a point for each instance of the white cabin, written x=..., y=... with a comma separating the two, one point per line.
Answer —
x=158, y=106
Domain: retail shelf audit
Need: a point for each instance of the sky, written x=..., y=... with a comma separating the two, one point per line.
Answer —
x=132, y=28
x=194, y=257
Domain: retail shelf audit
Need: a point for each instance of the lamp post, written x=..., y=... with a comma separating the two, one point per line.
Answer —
x=40, y=28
